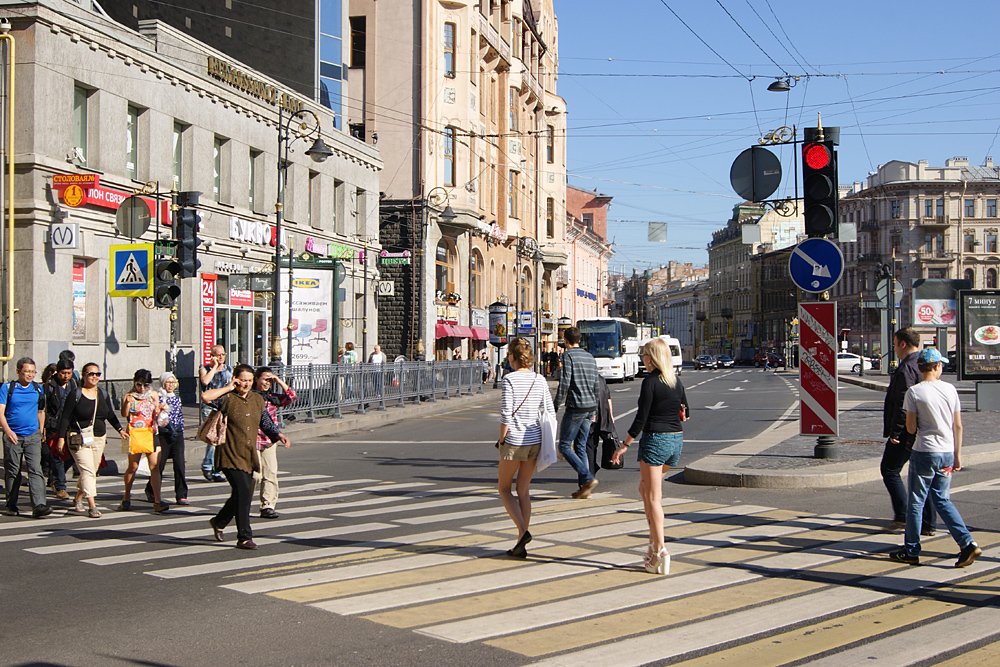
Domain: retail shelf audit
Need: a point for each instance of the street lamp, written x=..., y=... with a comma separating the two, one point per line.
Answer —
x=447, y=215
x=308, y=128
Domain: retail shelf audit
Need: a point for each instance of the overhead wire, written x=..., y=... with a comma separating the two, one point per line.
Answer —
x=750, y=37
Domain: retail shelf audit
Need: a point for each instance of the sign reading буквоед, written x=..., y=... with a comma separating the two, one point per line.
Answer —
x=130, y=272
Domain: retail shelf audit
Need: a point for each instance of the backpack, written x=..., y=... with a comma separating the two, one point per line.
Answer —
x=10, y=394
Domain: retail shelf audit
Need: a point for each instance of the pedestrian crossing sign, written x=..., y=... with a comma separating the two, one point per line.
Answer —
x=131, y=270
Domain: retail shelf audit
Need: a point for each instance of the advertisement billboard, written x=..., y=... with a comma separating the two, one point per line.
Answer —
x=934, y=301
x=979, y=335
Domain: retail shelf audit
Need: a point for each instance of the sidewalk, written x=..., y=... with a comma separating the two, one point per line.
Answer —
x=779, y=458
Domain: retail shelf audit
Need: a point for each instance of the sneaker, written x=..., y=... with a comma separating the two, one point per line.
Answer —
x=218, y=477
x=268, y=513
x=149, y=496
x=11, y=511
x=62, y=495
x=44, y=510
x=587, y=489
x=125, y=505
x=968, y=555
x=183, y=501
x=900, y=556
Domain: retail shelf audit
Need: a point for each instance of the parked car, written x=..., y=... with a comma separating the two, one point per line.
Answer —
x=724, y=361
x=704, y=361
x=772, y=359
x=851, y=363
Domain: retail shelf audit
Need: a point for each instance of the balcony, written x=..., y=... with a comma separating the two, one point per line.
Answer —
x=933, y=221
x=925, y=255
x=554, y=255
x=562, y=278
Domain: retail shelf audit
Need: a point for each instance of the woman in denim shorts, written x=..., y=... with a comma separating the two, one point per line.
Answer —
x=662, y=408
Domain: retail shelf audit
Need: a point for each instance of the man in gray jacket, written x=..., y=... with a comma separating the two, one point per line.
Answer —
x=578, y=389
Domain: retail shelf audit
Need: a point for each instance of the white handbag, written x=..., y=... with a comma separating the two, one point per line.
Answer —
x=550, y=429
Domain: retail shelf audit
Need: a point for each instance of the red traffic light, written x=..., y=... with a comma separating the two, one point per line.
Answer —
x=816, y=156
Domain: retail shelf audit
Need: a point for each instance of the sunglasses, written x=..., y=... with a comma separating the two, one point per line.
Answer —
x=95, y=374
x=143, y=384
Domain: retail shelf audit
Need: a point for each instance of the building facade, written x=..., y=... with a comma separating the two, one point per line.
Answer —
x=461, y=101
x=123, y=112
x=584, y=290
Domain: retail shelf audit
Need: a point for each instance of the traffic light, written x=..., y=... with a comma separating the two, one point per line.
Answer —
x=165, y=288
x=819, y=184
x=186, y=219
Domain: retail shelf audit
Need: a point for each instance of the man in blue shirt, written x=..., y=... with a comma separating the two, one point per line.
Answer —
x=22, y=419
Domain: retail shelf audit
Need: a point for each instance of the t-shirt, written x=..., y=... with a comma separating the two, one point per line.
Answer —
x=531, y=388
x=935, y=404
x=25, y=402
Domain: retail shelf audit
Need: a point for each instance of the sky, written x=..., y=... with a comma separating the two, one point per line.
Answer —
x=662, y=95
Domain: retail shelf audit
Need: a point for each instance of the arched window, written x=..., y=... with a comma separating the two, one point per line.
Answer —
x=494, y=293
x=991, y=278
x=476, y=286
x=505, y=290
x=444, y=265
x=971, y=277
x=547, y=291
x=525, y=294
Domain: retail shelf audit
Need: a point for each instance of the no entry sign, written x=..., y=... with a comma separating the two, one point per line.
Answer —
x=818, y=368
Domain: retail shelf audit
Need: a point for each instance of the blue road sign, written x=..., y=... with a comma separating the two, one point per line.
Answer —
x=816, y=265
x=131, y=270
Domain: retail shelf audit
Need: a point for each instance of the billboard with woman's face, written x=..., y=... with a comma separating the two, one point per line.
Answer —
x=979, y=335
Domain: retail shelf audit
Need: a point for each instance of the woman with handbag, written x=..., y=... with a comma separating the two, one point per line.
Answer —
x=236, y=456
x=662, y=408
x=171, y=438
x=82, y=430
x=524, y=394
x=141, y=406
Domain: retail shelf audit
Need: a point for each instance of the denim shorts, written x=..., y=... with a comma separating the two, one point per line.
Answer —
x=661, y=449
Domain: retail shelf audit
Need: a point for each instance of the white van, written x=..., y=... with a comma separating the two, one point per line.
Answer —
x=675, y=353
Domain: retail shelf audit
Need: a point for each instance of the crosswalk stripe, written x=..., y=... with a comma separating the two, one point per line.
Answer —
x=295, y=557
x=501, y=526
x=410, y=507
x=454, y=588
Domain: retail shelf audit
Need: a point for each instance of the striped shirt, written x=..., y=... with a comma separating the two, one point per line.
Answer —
x=523, y=428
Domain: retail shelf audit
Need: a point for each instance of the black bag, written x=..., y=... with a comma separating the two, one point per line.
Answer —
x=608, y=446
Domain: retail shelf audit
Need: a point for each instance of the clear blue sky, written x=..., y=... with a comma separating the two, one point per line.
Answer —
x=903, y=80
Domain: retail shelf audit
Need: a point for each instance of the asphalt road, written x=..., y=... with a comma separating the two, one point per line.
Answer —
x=383, y=530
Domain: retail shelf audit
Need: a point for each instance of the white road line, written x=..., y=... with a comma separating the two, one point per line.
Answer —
x=404, y=507
x=399, y=597
x=299, y=556
x=538, y=519
x=160, y=554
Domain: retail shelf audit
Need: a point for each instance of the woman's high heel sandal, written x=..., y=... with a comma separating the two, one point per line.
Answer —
x=658, y=563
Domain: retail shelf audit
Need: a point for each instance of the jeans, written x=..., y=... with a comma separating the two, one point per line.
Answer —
x=29, y=449
x=894, y=457
x=238, y=504
x=927, y=481
x=208, y=463
x=172, y=447
x=573, y=433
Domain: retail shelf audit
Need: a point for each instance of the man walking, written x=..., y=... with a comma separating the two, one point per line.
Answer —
x=57, y=389
x=934, y=415
x=578, y=389
x=906, y=343
x=215, y=375
x=22, y=418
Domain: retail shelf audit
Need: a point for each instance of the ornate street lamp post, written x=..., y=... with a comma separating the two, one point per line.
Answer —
x=306, y=126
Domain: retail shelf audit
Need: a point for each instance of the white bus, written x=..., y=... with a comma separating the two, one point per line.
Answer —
x=675, y=354
x=614, y=342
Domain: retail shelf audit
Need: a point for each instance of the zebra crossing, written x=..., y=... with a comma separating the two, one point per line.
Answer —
x=747, y=581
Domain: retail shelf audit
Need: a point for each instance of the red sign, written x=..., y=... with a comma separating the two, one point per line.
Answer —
x=242, y=298
x=207, y=317
x=818, y=368
x=62, y=180
x=81, y=189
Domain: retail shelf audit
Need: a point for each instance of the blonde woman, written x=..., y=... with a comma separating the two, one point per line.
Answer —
x=523, y=393
x=662, y=408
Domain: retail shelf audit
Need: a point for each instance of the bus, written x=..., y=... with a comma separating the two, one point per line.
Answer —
x=675, y=354
x=614, y=342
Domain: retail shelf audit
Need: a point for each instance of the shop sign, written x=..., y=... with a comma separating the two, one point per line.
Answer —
x=479, y=317
x=252, y=231
x=241, y=298
x=251, y=86
x=207, y=317
x=586, y=295
x=77, y=190
x=979, y=335
x=312, y=316
x=386, y=257
x=227, y=268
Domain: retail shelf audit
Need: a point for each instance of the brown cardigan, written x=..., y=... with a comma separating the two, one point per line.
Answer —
x=244, y=416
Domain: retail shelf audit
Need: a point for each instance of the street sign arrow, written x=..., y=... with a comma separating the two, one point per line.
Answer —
x=816, y=265
x=717, y=406
x=736, y=389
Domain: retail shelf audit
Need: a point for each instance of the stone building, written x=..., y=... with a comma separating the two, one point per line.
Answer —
x=461, y=100
x=583, y=288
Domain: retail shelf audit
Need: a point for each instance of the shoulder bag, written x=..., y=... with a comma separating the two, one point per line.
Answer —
x=213, y=429
x=85, y=436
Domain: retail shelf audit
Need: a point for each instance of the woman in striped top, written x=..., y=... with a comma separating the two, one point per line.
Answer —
x=523, y=394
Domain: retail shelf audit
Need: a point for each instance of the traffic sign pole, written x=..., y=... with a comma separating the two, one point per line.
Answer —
x=818, y=375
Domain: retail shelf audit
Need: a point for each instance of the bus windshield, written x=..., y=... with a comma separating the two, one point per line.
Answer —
x=601, y=339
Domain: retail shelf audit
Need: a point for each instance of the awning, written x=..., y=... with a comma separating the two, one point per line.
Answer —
x=461, y=331
x=480, y=333
x=443, y=331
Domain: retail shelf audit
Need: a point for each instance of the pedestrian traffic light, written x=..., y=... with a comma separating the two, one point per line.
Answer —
x=819, y=184
x=166, y=291
x=186, y=220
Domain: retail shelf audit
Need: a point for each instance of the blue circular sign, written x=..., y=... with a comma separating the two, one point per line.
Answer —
x=816, y=265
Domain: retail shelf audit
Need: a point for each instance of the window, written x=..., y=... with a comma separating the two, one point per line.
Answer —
x=178, y=156
x=991, y=208
x=484, y=91
x=512, y=194
x=991, y=241
x=313, y=217
x=448, y=156
x=361, y=211
x=131, y=320
x=550, y=217
x=991, y=278
x=969, y=242
x=928, y=243
x=473, y=57
x=939, y=208
x=359, y=40
x=970, y=275
x=132, y=143
x=928, y=208
x=217, y=168
x=449, y=50
x=525, y=291
x=512, y=112
x=254, y=159
x=443, y=268
x=476, y=280
x=894, y=208
x=970, y=208
x=588, y=221
x=81, y=100
x=550, y=144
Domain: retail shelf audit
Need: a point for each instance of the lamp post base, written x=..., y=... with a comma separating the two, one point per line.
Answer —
x=825, y=447
x=275, y=351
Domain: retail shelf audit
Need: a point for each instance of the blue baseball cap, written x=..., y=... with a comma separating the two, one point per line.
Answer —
x=930, y=355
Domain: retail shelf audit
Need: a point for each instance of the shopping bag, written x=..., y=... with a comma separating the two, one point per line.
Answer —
x=549, y=426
